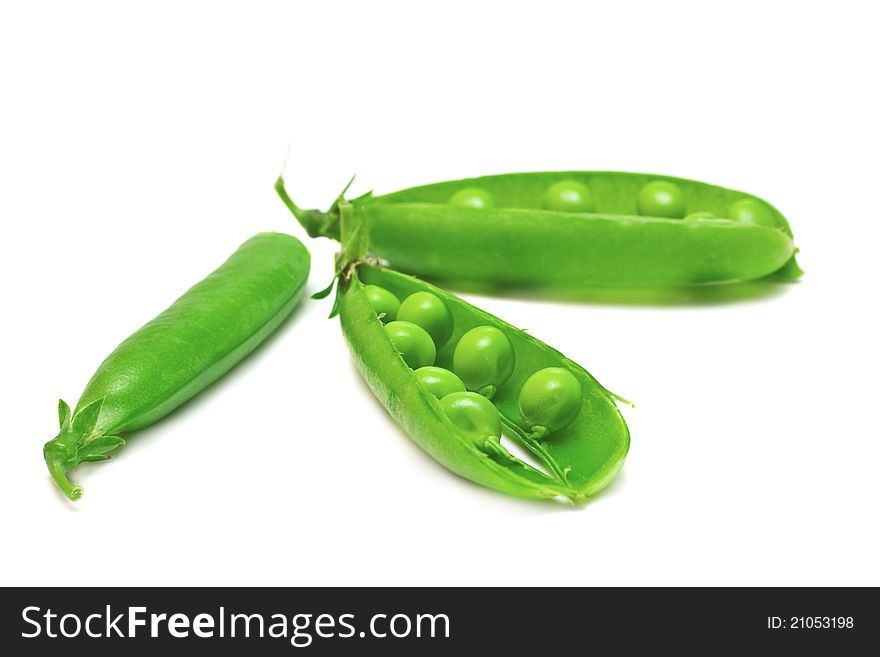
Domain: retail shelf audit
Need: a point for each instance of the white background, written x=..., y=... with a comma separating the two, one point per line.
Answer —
x=138, y=147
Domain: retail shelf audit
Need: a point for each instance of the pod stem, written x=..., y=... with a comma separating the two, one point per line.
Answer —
x=59, y=476
x=316, y=223
x=79, y=441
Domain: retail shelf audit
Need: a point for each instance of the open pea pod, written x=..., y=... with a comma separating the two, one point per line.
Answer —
x=572, y=228
x=580, y=460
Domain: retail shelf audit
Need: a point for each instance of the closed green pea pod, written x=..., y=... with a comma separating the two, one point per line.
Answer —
x=172, y=358
x=519, y=242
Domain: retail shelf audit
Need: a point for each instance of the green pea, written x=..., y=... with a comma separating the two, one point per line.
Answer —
x=474, y=415
x=472, y=197
x=661, y=199
x=413, y=343
x=696, y=216
x=569, y=196
x=384, y=303
x=438, y=381
x=426, y=310
x=484, y=359
x=750, y=211
x=550, y=399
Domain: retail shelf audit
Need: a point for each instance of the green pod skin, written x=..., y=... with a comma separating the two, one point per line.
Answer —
x=519, y=243
x=581, y=459
x=187, y=347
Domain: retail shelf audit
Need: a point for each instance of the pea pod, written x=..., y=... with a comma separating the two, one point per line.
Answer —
x=580, y=228
x=172, y=358
x=581, y=452
x=580, y=460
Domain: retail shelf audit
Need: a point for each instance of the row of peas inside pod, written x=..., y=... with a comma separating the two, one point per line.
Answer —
x=658, y=198
x=561, y=230
x=483, y=360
